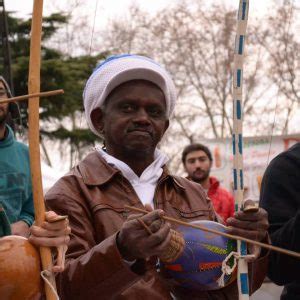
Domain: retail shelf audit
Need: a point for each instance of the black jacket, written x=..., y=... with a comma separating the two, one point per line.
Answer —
x=280, y=197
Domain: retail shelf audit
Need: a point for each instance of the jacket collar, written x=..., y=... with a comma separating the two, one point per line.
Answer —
x=94, y=170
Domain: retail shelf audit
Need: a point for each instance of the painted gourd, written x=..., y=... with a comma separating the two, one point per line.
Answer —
x=200, y=265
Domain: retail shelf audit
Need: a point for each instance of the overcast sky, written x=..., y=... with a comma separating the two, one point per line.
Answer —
x=111, y=8
x=114, y=7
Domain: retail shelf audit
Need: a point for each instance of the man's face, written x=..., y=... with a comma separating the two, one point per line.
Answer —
x=3, y=107
x=197, y=165
x=134, y=118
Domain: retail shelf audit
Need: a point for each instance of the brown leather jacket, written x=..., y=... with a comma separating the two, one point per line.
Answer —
x=93, y=195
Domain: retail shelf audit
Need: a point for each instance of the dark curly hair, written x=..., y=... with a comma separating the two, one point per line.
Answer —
x=195, y=147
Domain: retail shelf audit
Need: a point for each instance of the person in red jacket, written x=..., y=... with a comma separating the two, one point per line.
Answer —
x=197, y=161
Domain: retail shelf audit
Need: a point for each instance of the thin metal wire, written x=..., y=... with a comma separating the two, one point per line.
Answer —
x=76, y=158
x=93, y=30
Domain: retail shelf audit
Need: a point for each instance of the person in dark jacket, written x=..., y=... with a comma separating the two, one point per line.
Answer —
x=128, y=101
x=280, y=197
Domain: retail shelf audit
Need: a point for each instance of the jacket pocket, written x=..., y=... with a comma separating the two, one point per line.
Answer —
x=108, y=220
x=121, y=211
x=196, y=214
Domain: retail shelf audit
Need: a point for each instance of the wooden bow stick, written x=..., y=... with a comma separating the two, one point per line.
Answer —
x=230, y=236
x=34, y=140
x=34, y=96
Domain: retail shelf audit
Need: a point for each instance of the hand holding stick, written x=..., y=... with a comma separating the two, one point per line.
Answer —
x=230, y=236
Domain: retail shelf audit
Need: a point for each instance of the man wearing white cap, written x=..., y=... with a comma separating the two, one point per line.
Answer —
x=128, y=101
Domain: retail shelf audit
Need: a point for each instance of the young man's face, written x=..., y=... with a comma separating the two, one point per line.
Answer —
x=197, y=165
x=3, y=107
x=134, y=119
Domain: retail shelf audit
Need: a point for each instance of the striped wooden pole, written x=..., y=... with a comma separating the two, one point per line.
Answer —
x=237, y=139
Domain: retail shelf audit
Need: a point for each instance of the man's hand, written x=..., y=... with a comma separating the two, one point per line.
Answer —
x=50, y=233
x=135, y=242
x=54, y=232
x=20, y=228
x=251, y=225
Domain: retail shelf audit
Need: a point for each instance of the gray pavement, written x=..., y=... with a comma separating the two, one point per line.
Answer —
x=268, y=291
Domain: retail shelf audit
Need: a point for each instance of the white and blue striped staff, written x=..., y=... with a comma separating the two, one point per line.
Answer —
x=237, y=140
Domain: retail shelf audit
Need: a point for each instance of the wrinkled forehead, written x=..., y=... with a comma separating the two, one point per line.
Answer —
x=140, y=87
x=138, y=82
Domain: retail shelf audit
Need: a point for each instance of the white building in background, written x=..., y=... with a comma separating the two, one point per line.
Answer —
x=50, y=176
x=258, y=152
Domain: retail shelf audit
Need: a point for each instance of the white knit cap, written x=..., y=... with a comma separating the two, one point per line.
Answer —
x=122, y=68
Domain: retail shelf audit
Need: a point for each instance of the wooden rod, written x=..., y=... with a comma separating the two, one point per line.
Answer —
x=34, y=96
x=34, y=138
x=230, y=236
